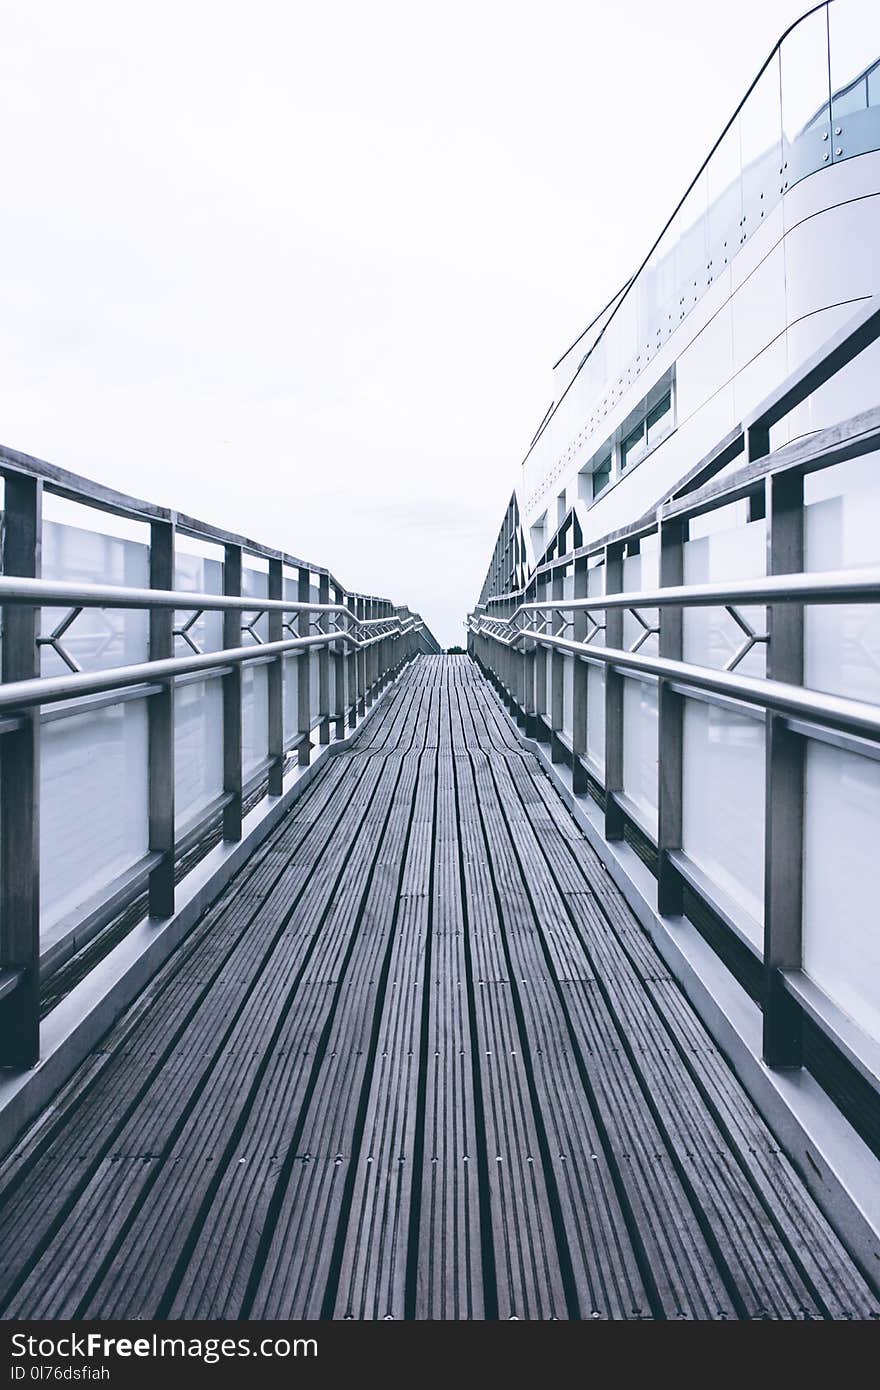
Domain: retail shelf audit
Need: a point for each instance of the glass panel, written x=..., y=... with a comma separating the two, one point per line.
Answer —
x=97, y=638
x=596, y=682
x=640, y=748
x=660, y=421
x=760, y=133
x=692, y=253
x=855, y=64
x=93, y=805
x=255, y=718
x=198, y=747
x=198, y=707
x=841, y=525
x=312, y=659
x=805, y=98
x=596, y=717
x=724, y=216
x=198, y=574
x=723, y=803
x=291, y=665
x=841, y=940
x=602, y=476
x=255, y=685
x=633, y=447
x=656, y=289
x=711, y=635
x=641, y=572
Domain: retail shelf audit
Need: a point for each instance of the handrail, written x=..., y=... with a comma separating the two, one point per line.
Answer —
x=54, y=594
x=44, y=690
x=856, y=717
x=820, y=586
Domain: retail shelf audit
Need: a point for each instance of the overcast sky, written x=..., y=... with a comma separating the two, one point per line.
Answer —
x=303, y=270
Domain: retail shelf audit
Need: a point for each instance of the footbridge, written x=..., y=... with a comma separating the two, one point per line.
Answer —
x=409, y=1017
x=344, y=978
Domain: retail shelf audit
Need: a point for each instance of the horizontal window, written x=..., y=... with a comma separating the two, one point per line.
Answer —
x=602, y=475
x=633, y=447
x=660, y=420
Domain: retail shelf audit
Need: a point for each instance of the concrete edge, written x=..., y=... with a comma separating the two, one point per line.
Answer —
x=835, y=1164
x=70, y=1031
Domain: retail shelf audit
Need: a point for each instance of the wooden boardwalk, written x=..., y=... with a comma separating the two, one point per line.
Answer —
x=419, y=1061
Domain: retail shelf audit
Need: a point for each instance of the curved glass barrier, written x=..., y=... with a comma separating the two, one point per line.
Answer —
x=815, y=102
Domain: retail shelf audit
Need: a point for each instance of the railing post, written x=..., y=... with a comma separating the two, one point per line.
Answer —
x=20, y=791
x=351, y=661
x=540, y=667
x=160, y=728
x=530, y=724
x=579, y=683
x=613, y=697
x=369, y=657
x=232, y=700
x=276, y=684
x=784, y=787
x=360, y=610
x=387, y=647
x=303, y=670
x=339, y=668
x=670, y=725
x=324, y=664
x=557, y=675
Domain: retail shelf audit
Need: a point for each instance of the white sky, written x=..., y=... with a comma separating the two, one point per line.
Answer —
x=302, y=270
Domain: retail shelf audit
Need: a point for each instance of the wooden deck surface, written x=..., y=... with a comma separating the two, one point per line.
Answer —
x=419, y=1061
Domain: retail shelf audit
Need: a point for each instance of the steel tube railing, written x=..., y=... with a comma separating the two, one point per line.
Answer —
x=826, y=586
x=836, y=711
x=44, y=690
x=52, y=594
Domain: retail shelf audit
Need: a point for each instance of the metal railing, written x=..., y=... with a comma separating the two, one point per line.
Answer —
x=537, y=646
x=359, y=643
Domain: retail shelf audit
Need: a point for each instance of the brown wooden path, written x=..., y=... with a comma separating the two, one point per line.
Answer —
x=418, y=1061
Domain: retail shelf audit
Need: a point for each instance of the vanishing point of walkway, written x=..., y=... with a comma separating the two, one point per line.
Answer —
x=418, y=1061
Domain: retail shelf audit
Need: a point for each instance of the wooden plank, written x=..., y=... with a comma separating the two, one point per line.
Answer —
x=299, y=1262
x=104, y=1121
x=419, y=1060
x=774, y=1271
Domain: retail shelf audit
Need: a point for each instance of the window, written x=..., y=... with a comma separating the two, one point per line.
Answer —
x=660, y=420
x=561, y=510
x=602, y=474
x=633, y=447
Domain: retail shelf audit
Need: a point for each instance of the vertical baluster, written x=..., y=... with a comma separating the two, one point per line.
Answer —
x=370, y=655
x=784, y=787
x=360, y=610
x=20, y=789
x=303, y=669
x=557, y=674
x=540, y=665
x=276, y=683
x=340, y=666
x=324, y=664
x=613, y=698
x=232, y=699
x=528, y=667
x=579, y=679
x=670, y=725
x=160, y=728
x=352, y=664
